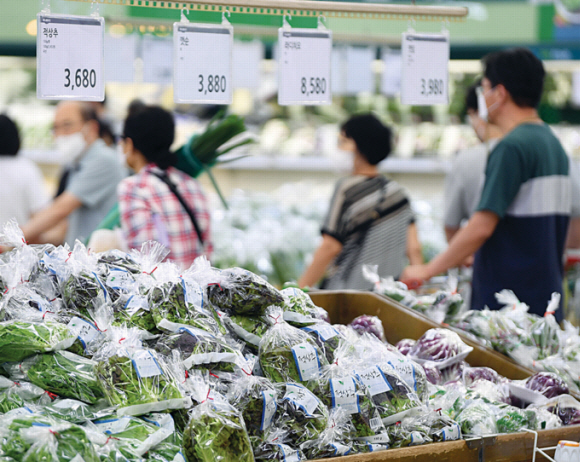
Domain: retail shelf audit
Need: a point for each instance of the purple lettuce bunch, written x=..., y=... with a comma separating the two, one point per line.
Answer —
x=369, y=324
x=548, y=384
x=437, y=345
x=472, y=374
x=405, y=345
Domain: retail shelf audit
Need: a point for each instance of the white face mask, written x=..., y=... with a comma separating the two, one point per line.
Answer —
x=344, y=161
x=481, y=104
x=70, y=146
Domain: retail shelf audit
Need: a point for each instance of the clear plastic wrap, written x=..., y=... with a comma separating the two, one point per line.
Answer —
x=275, y=448
x=404, y=346
x=249, y=329
x=326, y=337
x=369, y=324
x=216, y=432
x=25, y=301
x=288, y=354
x=565, y=407
x=441, y=346
x=510, y=419
x=478, y=418
x=546, y=332
x=471, y=374
x=299, y=311
x=548, y=384
x=77, y=412
x=334, y=441
x=136, y=379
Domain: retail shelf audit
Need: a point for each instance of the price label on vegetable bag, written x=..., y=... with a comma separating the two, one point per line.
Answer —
x=425, y=74
x=304, y=66
x=70, y=56
x=202, y=63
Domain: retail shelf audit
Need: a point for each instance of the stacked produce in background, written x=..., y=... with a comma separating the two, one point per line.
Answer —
x=116, y=356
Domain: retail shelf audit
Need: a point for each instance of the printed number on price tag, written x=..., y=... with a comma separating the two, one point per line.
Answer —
x=70, y=56
x=203, y=63
x=304, y=66
x=424, y=79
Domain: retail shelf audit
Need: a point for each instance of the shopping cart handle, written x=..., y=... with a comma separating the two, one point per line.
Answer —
x=412, y=284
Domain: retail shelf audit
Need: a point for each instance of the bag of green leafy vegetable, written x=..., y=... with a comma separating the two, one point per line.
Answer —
x=136, y=379
x=216, y=432
x=546, y=332
x=334, y=441
x=26, y=301
x=77, y=412
x=299, y=310
x=478, y=418
x=250, y=329
x=276, y=448
x=65, y=374
x=237, y=290
x=302, y=414
x=326, y=337
x=199, y=348
x=256, y=398
x=287, y=354
x=21, y=339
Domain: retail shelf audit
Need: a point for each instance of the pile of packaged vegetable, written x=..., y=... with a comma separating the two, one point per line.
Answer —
x=122, y=357
x=536, y=342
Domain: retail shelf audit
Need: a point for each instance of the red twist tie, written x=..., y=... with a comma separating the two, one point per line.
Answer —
x=549, y=312
x=124, y=338
x=247, y=373
x=46, y=312
x=17, y=384
x=216, y=284
x=398, y=423
x=438, y=410
x=213, y=375
x=111, y=438
x=150, y=273
x=51, y=395
x=69, y=255
x=208, y=392
x=274, y=318
x=53, y=432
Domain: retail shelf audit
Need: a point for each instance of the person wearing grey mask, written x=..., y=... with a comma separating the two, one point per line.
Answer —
x=87, y=190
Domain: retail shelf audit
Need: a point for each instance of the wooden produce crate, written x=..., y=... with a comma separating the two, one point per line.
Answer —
x=401, y=322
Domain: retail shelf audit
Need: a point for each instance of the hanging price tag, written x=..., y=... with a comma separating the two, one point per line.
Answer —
x=70, y=56
x=304, y=66
x=425, y=73
x=203, y=63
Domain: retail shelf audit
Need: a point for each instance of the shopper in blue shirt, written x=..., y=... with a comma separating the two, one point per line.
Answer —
x=518, y=231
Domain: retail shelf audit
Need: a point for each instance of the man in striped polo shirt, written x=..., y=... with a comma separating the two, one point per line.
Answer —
x=519, y=228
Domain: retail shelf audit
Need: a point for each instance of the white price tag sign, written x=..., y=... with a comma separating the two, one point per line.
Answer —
x=304, y=66
x=70, y=56
x=203, y=63
x=425, y=73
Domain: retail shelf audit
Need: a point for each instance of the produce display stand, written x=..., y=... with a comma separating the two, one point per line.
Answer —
x=401, y=322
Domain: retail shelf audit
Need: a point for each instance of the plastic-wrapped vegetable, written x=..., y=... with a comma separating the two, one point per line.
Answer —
x=256, y=398
x=546, y=332
x=134, y=311
x=74, y=411
x=512, y=420
x=404, y=346
x=471, y=374
x=135, y=379
x=408, y=432
x=369, y=324
x=287, y=354
x=489, y=392
x=21, y=339
x=299, y=311
x=441, y=346
x=326, y=337
x=396, y=290
x=478, y=419
x=565, y=407
x=276, y=448
x=66, y=374
x=432, y=373
x=25, y=301
x=250, y=329
x=390, y=393
x=216, y=432
x=303, y=415
x=334, y=441
x=548, y=384
x=241, y=292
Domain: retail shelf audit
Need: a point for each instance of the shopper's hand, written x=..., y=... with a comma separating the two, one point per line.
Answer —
x=415, y=273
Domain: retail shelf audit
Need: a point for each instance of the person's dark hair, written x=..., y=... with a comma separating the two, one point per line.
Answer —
x=373, y=139
x=471, y=97
x=520, y=72
x=152, y=131
x=88, y=112
x=9, y=137
x=135, y=106
x=106, y=132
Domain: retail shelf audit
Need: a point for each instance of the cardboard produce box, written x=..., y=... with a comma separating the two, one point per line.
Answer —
x=401, y=322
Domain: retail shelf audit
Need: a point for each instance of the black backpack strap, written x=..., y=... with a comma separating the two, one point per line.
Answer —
x=173, y=188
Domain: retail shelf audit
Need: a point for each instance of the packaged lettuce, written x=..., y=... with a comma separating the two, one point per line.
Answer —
x=334, y=441
x=326, y=337
x=276, y=448
x=511, y=419
x=181, y=301
x=303, y=415
x=546, y=332
x=409, y=432
x=21, y=339
x=117, y=259
x=239, y=291
x=478, y=418
x=26, y=301
x=133, y=310
x=299, y=311
x=136, y=379
x=250, y=329
x=256, y=398
x=65, y=374
x=287, y=354
x=441, y=346
x=200, y=348
x=77, y=412
x=216, y=432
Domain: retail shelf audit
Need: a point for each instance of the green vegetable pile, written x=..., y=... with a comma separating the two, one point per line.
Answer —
x=82, y=293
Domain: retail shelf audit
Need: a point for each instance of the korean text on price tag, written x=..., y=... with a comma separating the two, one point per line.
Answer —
x=425, y=74
x=202, y=63
x=304, y=66
x=70, y=57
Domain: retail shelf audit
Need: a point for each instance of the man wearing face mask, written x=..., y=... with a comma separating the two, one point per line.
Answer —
x=464, y=181
x=369, y=221
x=520, y=225
x=89, y=189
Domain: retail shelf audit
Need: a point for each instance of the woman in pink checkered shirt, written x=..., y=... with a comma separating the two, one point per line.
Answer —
x=159, y=202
